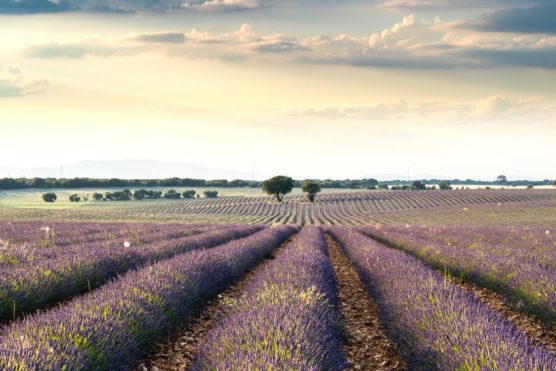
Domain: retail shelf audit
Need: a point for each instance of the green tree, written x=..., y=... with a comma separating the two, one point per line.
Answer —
x=172, y=194
x=383, y=186
x=279, y=186
x=49, y=197
x=139, y=194
x=189, y=194
x=445, y=184
x=501, y=179
x=74, y=198
x=211, y=194
x=311, y=188
x=98, y=196
x=417, y=185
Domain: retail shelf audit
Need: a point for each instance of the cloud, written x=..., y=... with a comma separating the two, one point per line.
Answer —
x=497, y=108
x=416, y=5
x=536, y=17
x=221, y=5
x=14, y=83
x=412, y=43
x=161, y=37
x=124, y=6
x=33, y=6
x=77, y=50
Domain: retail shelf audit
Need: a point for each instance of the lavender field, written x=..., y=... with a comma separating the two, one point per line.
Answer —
x=136, y=296
x=431, y=208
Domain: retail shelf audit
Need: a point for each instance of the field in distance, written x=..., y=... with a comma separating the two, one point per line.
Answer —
x=430, y=208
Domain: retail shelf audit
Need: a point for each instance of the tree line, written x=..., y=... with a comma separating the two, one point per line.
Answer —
x=128, y=195
x=369, y=183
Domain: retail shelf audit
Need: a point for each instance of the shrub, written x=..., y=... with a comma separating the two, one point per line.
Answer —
x=172, y=194
x=118, y=196
x=98, y=196
x=189, y=194
x=211, y=194
x=139, y=194
x=417, y=185
x=383, y=186
x=49, y=197
x=444, y=185
x=74, y=198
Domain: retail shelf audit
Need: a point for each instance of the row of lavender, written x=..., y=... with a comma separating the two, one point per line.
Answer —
x=436, y=324
x=53, y=233
x=288, y=318
x=517, y=263
x=111, y=327
x=49, y=246
x=34, y=286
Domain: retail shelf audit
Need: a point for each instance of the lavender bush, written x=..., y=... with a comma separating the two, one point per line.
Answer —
x=34, y=286
x=45, y=243
x=517, y=263
x=110, y=328
x=436, y=324
x=288, y=319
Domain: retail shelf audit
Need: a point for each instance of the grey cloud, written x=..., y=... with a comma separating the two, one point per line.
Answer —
x=538, y=18
x=532, y=58
x=80, y=50
x=162, y=37
x=124, y=6
x=33, y=6
x=278, y=47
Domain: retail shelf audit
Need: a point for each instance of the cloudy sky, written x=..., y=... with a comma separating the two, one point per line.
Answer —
x=310, y=88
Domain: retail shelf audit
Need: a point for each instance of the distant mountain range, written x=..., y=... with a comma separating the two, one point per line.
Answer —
x=153, y=169
x=129, y=169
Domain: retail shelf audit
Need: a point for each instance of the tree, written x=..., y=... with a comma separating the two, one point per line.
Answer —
x=49, y=197
x=311, y=188
x=501, y=179
x=445, y=184
x=139, y=194
x=189, y=194
x=418, y=186
x=172, y=194
x=383, y=186
x=211, y=194
x=74, y=198
x=98, y=196
x=279, y=186
x=118, y=196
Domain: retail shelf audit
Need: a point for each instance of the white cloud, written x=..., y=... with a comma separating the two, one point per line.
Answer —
x=14, y=83
x=412, y=43
x=497, y=108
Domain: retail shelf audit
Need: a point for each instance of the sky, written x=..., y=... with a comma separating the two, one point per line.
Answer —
x=307, y=88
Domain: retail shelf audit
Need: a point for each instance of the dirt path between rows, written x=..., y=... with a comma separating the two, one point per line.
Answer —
x=539, y=332
x=366, y=346
x=177, y=351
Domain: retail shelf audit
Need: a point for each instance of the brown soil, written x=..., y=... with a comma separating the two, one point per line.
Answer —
x=177, y=351
x=539, y=332
x=366, y=345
